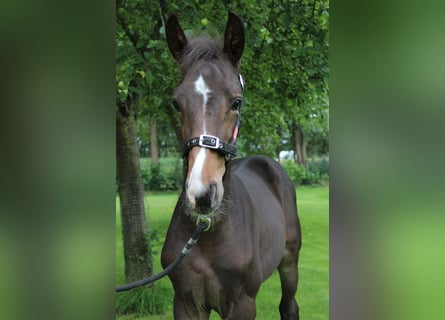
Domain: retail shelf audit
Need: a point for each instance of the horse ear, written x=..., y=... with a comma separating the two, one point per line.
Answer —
x=234, y=38
x=176, y=39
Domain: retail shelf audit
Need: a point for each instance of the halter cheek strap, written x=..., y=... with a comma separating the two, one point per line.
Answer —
x=236, y=130
x=238, y=118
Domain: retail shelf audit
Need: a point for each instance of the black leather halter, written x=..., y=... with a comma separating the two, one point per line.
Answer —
x=211, y=142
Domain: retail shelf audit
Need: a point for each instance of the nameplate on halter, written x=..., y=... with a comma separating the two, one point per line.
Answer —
x=209, y=141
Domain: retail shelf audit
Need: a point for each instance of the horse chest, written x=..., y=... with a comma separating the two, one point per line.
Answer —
x=214, y=278
x=221, y=263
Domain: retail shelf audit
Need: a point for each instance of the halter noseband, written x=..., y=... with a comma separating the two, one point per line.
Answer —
x=212, y=142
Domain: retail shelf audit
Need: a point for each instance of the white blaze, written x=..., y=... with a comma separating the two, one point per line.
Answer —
x=195, y=183
x=202, y=89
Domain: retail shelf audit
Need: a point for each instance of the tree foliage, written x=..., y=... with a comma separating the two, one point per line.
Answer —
x=285, y=66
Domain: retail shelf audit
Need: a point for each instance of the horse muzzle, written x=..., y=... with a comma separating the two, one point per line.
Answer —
x=204, y=188
x=207, y=201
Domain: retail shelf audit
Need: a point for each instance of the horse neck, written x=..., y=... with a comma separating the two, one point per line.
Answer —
x=226, y=182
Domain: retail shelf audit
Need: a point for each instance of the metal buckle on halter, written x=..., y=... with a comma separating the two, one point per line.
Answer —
x=206, y=141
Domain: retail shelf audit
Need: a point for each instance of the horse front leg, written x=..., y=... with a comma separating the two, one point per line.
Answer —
x=188, y=311
x=244, y=308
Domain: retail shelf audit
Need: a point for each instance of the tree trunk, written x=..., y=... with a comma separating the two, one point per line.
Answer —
x=137, y=253
x=154, y=146
x=300, y=146
x=303, y=149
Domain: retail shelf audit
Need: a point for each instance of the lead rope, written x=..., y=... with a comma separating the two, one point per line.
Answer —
x=202, y=225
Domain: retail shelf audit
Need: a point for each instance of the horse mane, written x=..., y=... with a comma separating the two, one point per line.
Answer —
x=201, y=48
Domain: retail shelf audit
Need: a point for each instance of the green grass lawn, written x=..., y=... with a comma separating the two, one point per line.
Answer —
x=313, y=289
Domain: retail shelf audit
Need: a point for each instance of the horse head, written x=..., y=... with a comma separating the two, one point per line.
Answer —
x=209, y=100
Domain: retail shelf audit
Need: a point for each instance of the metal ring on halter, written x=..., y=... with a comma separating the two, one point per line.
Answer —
x=204, y=219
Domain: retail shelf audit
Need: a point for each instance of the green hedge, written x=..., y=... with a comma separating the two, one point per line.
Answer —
x=316, y=173
x=166, y=175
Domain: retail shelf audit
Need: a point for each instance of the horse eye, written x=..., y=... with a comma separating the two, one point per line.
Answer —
x=237, y=104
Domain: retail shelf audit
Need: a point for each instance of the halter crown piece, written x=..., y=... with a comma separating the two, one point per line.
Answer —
x=212, y=142
x=241, y=80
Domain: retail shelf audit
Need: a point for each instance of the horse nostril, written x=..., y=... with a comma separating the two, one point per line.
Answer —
x=206, y=200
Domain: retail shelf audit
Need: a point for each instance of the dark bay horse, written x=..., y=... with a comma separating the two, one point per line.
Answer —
x=250, y=202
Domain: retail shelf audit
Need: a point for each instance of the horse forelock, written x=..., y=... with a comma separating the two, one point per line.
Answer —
x=201, y=49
